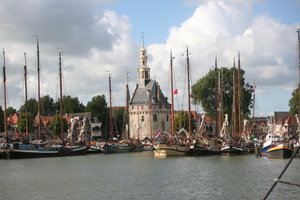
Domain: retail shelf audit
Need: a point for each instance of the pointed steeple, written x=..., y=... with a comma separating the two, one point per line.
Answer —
x=143, y=69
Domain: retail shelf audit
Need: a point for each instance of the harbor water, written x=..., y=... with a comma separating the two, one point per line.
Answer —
x=141, y=176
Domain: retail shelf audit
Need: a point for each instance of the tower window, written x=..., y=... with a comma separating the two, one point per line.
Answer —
x=143, y=118
x=155, y=117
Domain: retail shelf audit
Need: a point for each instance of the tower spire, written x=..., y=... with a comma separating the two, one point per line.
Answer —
x=143, y=39
x=143, y=69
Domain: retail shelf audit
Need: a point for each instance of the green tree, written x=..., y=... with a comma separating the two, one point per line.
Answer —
x=22, y=122
x=10, y=111
x=204, y=92
x=32, y=107
x=181, y=120
x=55, y=125
x=70, y=105
x=118, y=120
x=47, y=106
x=97, y=106
x=294, y=102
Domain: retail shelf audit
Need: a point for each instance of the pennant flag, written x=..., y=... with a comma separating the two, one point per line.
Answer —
x=157, y=135
x=175, y=91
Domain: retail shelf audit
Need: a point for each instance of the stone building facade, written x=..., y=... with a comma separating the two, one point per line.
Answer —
x=149, y=110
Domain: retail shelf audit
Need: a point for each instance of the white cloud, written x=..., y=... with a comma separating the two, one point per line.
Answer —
x=223, y=28
x=93, y=41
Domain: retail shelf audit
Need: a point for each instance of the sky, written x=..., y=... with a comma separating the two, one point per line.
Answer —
x=102, y=37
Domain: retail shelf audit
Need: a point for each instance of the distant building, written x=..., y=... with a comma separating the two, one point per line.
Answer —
x=149, y=110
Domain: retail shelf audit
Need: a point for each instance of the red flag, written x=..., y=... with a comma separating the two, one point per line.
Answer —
x=16, y=134
x=175, y=91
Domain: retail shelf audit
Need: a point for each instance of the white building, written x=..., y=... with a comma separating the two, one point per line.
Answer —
x=149, y=110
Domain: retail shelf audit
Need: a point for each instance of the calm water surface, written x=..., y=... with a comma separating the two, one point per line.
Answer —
x=140, y=176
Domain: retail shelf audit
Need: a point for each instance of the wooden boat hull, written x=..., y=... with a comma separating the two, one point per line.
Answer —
x=137, y=148
x=116, y=148
x=62, y=151
x=77, y=151
x=165, y=151
x=18, y=153
x=94, y=149
x=148, y=148
x=280, y=152
x=229, y=150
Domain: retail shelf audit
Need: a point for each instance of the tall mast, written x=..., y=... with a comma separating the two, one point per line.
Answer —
x=61, y=99
x=26, y=106
x=39, y=86
x=172, y=95
x=4, y=90
x=110, y=110
x=217, y=97
x=189, y=93
x=298, y=31
x=233, y=99
x=239, y=98
x=253, y=109
x=127, y=106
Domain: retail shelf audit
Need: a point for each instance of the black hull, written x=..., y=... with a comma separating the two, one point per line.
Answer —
x=231, y=150
x=202, y=152
x=77, y=151
x=20, y=154
x=116, y=149
x=280, y=153
x=137, y=148
x=31, y=154
x=92, y=150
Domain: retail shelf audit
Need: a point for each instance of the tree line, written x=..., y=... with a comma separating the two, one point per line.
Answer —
x=48, y=107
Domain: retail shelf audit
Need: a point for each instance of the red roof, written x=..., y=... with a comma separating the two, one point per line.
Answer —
x=12, y=119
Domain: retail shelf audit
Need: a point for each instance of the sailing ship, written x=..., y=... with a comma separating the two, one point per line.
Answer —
x=29, y=150
x=37, y=149
x=201, y=144
x=114, y=145
x=174, y=144
x=232, y=142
